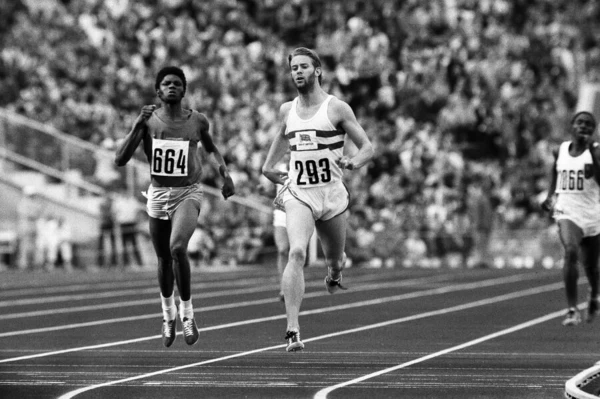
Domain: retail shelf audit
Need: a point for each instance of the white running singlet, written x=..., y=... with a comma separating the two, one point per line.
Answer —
x=315, y=146
x=578, y=192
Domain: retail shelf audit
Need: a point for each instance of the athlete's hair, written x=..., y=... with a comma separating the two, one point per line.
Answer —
x=586, y=113
x=316, y=61
x=170, y=70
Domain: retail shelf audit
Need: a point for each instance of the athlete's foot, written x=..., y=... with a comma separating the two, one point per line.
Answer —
x=592, y=309
x=190, y=331
x=293, y=341
x=333, y=285
x=333, y=280
x=169, y=328
x=572, y=318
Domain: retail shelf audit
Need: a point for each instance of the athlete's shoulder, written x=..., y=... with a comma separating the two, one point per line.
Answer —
x=200, y=118
x=339, y=105
x=340, y=111
x=285, y=108
x=557, y=148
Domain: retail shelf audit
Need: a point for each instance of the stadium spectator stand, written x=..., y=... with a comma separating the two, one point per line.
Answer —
x=448, y=91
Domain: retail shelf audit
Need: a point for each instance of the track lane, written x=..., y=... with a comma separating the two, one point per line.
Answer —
x=274, y=367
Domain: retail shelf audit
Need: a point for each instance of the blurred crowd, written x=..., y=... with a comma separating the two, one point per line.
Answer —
x=453, y=93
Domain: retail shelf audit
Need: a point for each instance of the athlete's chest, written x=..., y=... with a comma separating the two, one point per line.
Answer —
x=185, y=129
x=566, y=161
x=307, y=113
x=176, y=134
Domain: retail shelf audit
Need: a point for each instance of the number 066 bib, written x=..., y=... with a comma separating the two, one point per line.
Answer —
x=170, y=157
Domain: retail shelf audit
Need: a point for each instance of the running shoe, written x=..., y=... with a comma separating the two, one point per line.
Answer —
x=572, y=318
x=169, y=332
x=333, y=285
x=190, y=331
x=293, y=341
x=592, y=309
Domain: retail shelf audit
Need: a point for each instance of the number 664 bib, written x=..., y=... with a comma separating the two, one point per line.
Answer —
x=170, y=157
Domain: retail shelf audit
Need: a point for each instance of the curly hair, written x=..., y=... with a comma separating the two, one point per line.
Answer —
x=170, y=70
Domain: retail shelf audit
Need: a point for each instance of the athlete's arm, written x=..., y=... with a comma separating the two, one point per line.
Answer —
x=348, y=123
x=127, y=148
x=595, y=151
x=278, y=148
x=548, y=203
x=228, y=187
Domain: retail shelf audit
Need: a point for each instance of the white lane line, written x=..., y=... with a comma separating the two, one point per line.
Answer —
x=322, y=394
x=127, y=279
x=147, y=291
x=483, y=302
x=128, y=292
x=76, y=392
x=235, y=305
x=201, y=310
x=153, y=289
x=238, y=279
x=378, y=301
x=213, y=294
x=8, y=292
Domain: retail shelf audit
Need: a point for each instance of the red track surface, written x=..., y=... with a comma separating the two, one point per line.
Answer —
x=396, y=333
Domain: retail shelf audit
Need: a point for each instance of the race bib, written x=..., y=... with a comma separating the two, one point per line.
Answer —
x=170, y=157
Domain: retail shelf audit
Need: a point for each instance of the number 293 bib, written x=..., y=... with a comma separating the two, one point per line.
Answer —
x=170, y=157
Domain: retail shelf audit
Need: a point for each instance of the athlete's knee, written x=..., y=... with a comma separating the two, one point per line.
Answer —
x=178, y=249
x=297, y=255
x=283, y=250
x=571, y=253
x=164, y=261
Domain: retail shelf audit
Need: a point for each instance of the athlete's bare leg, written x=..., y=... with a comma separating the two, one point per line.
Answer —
x=183, y=224
x=300, y=225
x=570, y=236
x=589, y=258
x=332, y=234
x=160, y=233
x=283, y=248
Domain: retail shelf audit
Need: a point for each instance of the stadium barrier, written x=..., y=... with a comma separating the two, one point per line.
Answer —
x=574, y=386
x=509, y=248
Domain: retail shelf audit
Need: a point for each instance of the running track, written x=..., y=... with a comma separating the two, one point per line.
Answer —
x=396, y=333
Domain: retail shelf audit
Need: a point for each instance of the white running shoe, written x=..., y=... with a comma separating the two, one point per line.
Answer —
x=572, y=318
x=293, y=340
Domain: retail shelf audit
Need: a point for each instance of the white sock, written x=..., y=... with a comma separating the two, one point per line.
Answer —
x=186, y=309
x=168, y=307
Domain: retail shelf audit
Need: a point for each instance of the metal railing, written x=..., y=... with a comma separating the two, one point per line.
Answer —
x=15, y=158
x=47, y=150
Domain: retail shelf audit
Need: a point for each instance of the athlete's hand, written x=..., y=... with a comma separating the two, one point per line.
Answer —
x=345, y=163
x=548, y=203
x=228, y=187
x=145, y=114
x=277, y=176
